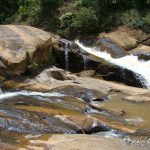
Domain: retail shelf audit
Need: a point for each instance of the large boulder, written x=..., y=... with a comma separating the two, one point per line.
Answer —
x=21, y=46
x=127, y=38
x=75, y=59
x=67, y=55
x=121, y=38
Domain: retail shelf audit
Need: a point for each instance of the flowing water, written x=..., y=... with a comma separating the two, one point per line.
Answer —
x=25, y=114
x=129, y=62
x=67, y=55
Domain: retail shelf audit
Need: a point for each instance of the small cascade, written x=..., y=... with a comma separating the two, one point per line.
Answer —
x=67, y=55
x=139, y=67
x=85, y=61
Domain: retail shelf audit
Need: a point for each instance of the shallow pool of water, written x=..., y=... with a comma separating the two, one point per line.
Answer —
x=139, y=112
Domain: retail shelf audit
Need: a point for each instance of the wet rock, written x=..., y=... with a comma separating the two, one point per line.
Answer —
x=36, y=123
x=104, y=69
x=83, y=93
x=112, y=72
x=63, y=47
x=21, y=46
x=115, y=73
x=142, y=51
x=105, y=44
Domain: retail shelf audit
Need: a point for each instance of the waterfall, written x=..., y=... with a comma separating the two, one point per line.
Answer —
x=141, y=68
x=67, y=55
x=85, y=61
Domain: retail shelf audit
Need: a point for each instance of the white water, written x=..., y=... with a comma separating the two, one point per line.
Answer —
x=129, y=62
x=29, y=93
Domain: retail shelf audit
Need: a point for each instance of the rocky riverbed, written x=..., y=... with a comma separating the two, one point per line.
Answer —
x=54, y=98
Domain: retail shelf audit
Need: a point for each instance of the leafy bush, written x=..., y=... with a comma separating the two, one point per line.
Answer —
x=31, y=65
x=28, y=11
x=85, y=21
x=132, y=18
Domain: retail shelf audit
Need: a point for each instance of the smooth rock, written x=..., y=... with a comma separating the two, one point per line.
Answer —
x=21, y=46
x=121, y=38
x=83, y=142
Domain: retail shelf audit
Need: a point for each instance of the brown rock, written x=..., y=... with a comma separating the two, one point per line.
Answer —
x=122, y=38
x=142, y=51
x=135, y=33
x=18, y=44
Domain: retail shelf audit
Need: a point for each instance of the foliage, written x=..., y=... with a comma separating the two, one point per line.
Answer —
x=7, y=8
x=73, y=18
x=31, y=65
x=132, y=18
x=28, y=11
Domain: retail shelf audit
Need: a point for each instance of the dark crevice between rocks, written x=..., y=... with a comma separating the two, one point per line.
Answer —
x=98, y=129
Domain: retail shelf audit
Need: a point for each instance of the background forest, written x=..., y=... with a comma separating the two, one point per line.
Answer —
x=71, y=18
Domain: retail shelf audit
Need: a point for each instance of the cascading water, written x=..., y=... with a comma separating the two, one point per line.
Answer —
x=67, y=55
x=130, y=62
x=85, y=61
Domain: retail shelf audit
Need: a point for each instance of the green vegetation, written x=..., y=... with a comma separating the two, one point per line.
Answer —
x=72, y=18
x=32, y=66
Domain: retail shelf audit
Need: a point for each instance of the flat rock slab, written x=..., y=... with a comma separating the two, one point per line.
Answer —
x=83, y=142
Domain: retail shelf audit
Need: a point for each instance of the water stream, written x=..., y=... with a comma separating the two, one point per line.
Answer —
x=67, y=55
x=130, y=62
